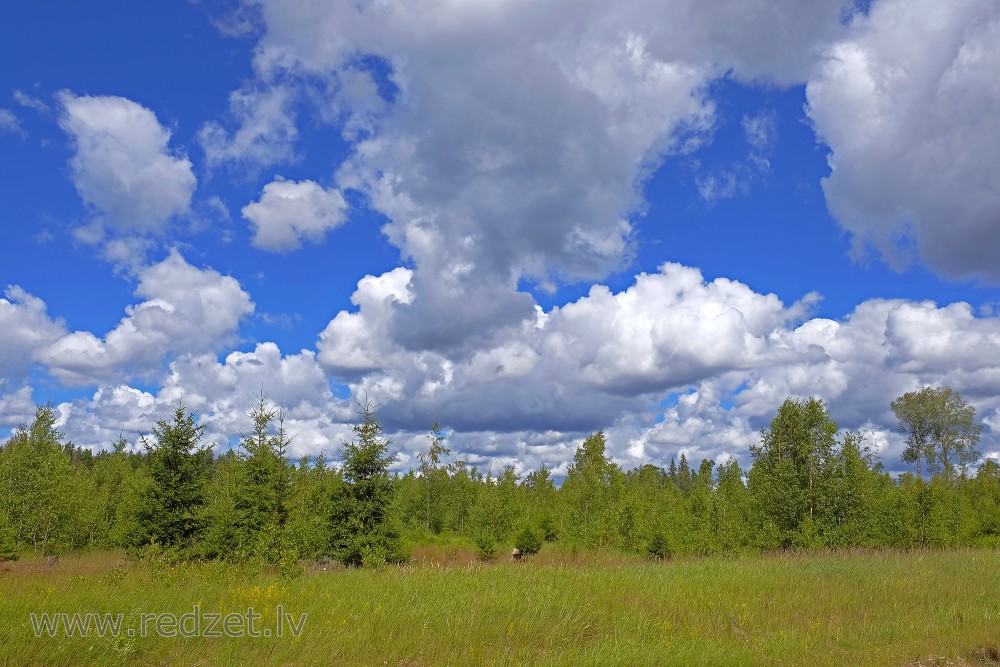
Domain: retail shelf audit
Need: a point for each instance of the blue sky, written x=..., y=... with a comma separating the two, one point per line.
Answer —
x=525, y=221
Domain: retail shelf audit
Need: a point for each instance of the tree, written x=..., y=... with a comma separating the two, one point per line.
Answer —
x=172, y=512
x=940, y=428
x=37, y=485
x=540, y=497
x=262, y=501
x=434, y=480
x=588, y=492
x=790, y=474
x=364, y=530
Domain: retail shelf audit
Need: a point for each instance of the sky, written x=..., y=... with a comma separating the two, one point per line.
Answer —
x=526, y=221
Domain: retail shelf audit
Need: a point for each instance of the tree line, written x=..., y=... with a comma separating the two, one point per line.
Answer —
x=809, y=486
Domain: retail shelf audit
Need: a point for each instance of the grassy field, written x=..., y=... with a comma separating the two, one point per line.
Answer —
x=858, y=608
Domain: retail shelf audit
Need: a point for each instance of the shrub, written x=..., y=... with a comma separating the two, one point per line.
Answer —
x=528, y=542
x=659, y=548
x=486, y=546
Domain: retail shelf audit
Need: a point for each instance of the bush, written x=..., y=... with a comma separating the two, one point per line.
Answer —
x=549, y=528
x=528, y=542
x=8, y=547
x=486, y=546
x=659, y=548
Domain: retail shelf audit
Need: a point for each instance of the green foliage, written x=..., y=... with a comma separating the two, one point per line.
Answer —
x=593, y=484
x=39, y=489
x=809, y=487
x=486, y=545
x=658, y=547
x=314, y=486
x=528, y=541
x=364, y=530
x=8, y=542
x=172, y=513
x=263, y=485
x=940, y=428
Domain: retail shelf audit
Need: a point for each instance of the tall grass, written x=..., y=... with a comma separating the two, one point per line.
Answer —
x=855, y=608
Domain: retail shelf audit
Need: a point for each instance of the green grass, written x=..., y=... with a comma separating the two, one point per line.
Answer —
x=857, y=608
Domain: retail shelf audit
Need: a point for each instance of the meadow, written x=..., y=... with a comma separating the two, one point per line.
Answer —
x=922, y=607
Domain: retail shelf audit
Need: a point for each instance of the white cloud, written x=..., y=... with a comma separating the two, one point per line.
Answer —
x=525, y=155
x=718, y=357
x=574, y=368
x=123, y=165
x=9, y=123
x=289, y=211
x=30, y=102
x=359, y=342
x=220, y=393
x=732, y=356
x=186, y=310
x=265, y=132
x=907, y=103
x=27, y=329
x=17, y=407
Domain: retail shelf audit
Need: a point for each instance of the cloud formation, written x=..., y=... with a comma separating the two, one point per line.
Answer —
x=186, y=309
x=524, y=157
x=506, y=143
x=9, y=124
x=907, y=103
x=290, y=211
x=123, y=165
x=265, y=132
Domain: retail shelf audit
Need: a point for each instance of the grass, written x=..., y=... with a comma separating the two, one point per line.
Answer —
x=854, y=608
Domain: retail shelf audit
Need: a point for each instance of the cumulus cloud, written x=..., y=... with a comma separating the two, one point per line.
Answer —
x=221, y=393
x=728, y=355
x=16, y=407
x=27, y=329
x=907, y=104
x=524, y=157
x=574, y=368
x=672, y=364
x=858, y=365
x=123, y=165
x=186, y=310
x=290, y=211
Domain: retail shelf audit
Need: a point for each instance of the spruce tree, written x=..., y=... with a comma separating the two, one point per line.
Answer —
x=364, y=529
x=172, y=513
x=265, y=485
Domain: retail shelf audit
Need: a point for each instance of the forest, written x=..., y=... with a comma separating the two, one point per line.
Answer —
x=810, y=485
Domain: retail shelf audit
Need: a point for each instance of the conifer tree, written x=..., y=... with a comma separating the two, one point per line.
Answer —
x=365, y=532
x=264, y=486
x=172, y=512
